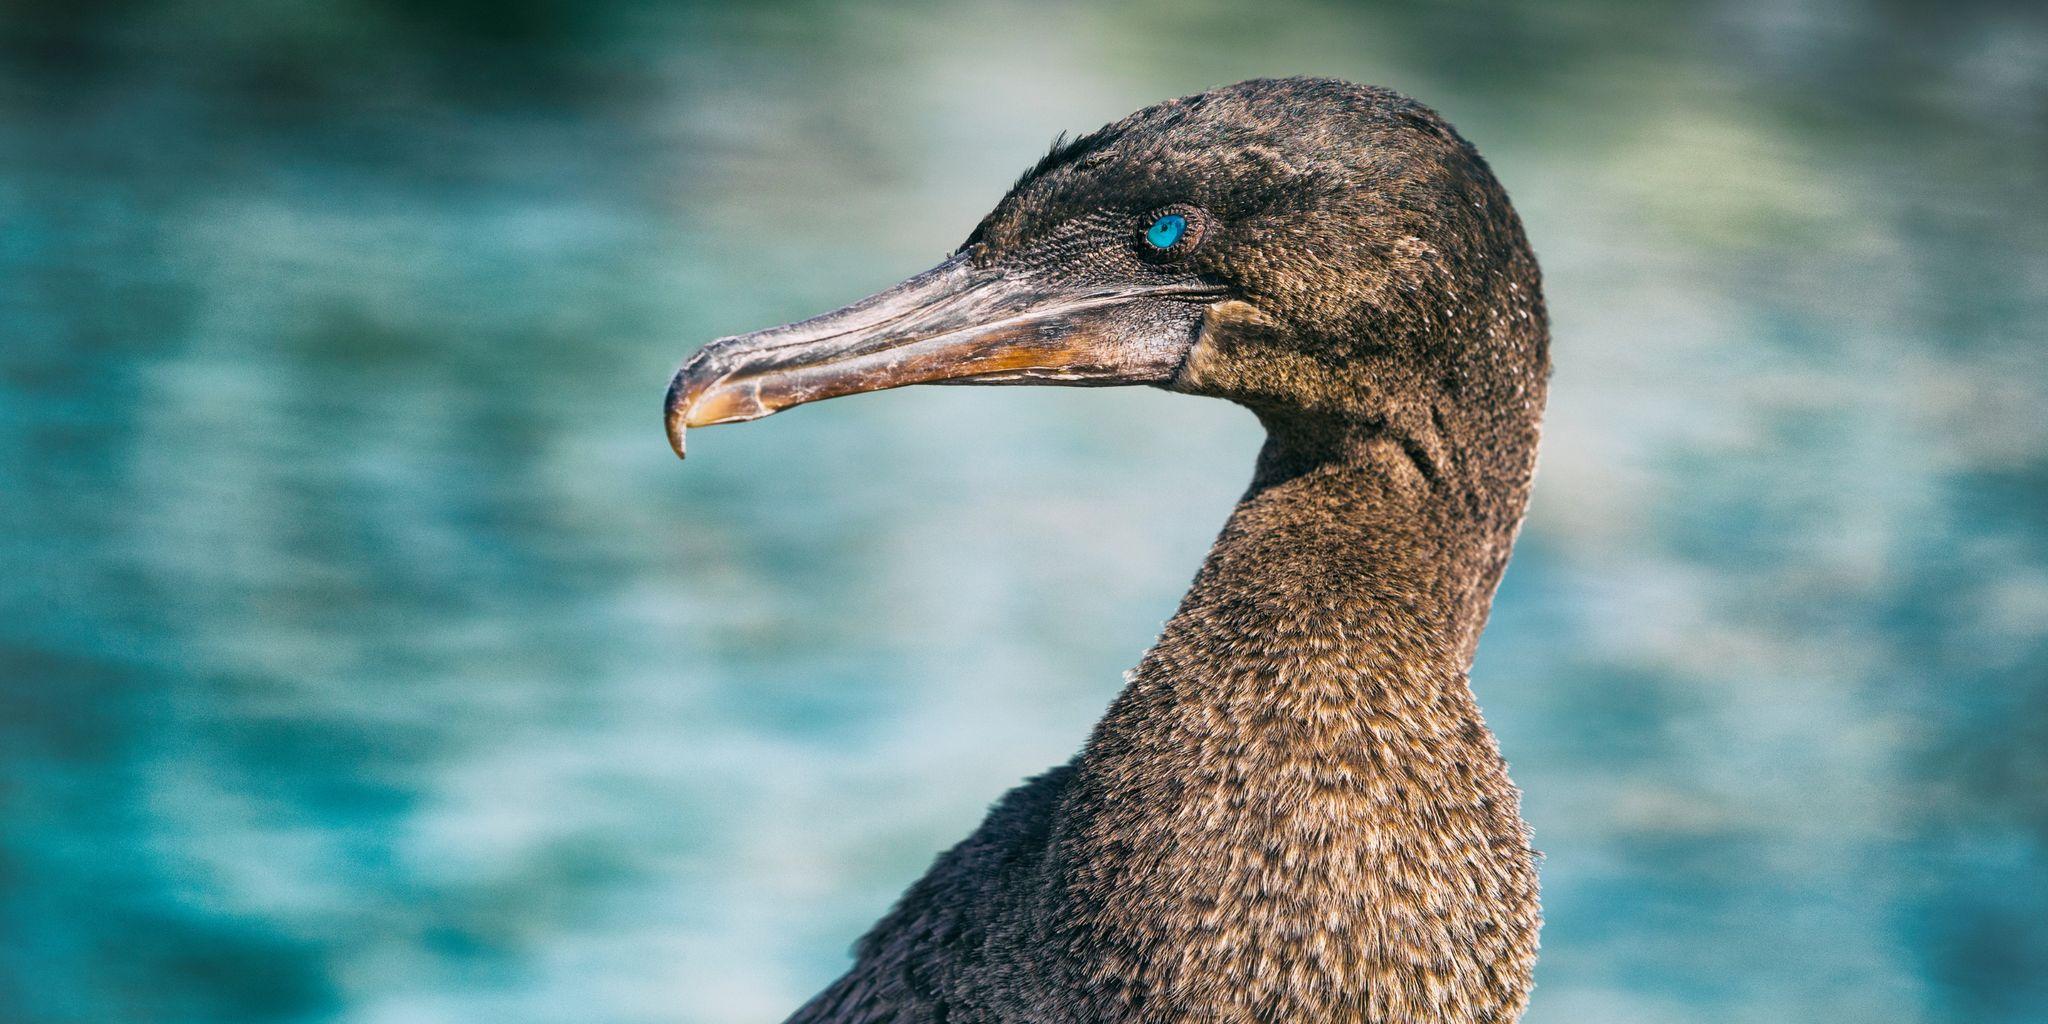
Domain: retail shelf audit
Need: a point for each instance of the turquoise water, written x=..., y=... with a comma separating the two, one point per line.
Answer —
x=365, y=656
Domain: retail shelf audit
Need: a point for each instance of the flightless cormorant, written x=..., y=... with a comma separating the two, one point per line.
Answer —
x=1293, y=812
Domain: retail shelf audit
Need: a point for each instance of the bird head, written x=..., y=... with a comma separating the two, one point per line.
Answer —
x=1332, y=256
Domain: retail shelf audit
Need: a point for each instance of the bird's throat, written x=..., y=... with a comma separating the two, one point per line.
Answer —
x=1296, y=789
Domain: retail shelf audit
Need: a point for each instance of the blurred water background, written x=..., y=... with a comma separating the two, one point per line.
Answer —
x=365, y=656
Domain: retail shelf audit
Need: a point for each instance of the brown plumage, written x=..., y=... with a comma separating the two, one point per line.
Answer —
x=1293, y=812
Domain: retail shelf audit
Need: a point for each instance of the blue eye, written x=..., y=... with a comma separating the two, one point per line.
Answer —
x=1166, y=230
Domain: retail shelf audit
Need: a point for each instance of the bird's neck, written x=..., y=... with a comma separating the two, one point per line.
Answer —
x=1296, y=792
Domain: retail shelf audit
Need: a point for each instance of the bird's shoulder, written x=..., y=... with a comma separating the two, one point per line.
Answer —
x=944, y=947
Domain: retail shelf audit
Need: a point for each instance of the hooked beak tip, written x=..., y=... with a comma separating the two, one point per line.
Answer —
x=677, y=409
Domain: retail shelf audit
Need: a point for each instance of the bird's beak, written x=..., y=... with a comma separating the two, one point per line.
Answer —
x=954, y=324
